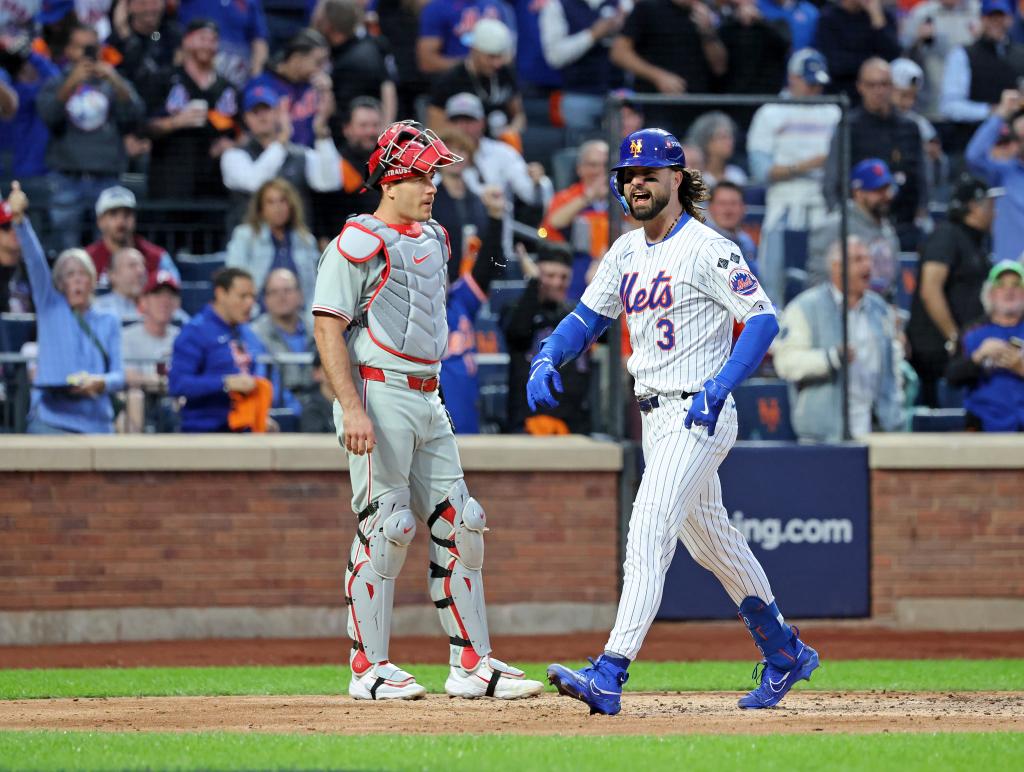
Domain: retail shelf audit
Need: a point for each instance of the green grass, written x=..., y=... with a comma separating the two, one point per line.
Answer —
x=478, y=753
x=894, y=675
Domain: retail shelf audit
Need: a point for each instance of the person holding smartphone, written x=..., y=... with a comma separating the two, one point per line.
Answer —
x=88, y=109
x=991, y=363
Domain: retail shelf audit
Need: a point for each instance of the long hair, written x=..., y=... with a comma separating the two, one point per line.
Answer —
x=693, y=191
x=297, y=221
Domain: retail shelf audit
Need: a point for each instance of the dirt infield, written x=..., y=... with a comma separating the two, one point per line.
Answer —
x=805, y=712
x=684, y=642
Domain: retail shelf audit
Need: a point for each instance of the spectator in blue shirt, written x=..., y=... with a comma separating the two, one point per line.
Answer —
x=992, y=363
x=1008, y=232
x=216, y=354
x=25, y=134
x=444, y=30
x=299, y=79
x=800, y=15
x=243, y=35
x=79, y=365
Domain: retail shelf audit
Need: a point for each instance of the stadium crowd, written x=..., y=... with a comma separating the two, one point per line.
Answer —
x=174, y=169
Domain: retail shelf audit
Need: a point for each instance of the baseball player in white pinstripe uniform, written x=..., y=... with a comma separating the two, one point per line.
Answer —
x=681, y=286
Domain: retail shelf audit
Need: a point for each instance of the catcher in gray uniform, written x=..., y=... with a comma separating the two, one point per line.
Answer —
x=383, y=280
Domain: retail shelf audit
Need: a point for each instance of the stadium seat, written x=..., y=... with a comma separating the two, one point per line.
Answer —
x=938, y=420
x=199, y=267
x=493, y=396
x=502, y=293
x=906, y=280
x=762, y=406
x=950, y=397
x=540, y=143
x=563, y=167
x=286, y=419
x=15, y=331
x=195, y=295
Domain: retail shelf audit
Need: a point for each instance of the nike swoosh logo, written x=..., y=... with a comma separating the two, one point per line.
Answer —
x=706, y=410
x=419, y=260
x=406, y=530
x=597, y=692
x=776, y=686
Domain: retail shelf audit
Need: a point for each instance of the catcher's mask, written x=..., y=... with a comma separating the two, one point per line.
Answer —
x=405, y=149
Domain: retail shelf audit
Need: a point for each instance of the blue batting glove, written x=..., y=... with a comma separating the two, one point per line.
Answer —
x=543, y=375
x=706, y=406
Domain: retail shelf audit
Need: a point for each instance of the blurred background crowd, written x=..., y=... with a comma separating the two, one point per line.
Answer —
x=174, y=169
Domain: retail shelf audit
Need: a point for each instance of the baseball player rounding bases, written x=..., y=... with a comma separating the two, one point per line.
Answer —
x=680, y=285
x=384, y=280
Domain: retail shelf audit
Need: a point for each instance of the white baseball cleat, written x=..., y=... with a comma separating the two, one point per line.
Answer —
x=491, y=678
x=384, y=681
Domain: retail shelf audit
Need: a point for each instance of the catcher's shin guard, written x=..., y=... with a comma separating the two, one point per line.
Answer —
x=383, y=535
x=457, y=528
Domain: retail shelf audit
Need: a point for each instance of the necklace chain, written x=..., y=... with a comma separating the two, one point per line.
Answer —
x=673, y=225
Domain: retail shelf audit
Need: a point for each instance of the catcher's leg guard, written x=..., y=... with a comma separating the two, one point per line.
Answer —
x=457, y=528
x=383, y=535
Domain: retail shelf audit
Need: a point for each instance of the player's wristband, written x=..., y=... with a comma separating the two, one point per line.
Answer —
x=749, y=350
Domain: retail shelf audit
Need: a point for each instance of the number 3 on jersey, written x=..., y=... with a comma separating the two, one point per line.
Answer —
x=668, y=334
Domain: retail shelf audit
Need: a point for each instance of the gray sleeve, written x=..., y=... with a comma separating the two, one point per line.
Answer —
x=341, y=284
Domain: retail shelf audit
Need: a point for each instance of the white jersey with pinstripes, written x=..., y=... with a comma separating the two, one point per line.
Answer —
x=680, y=297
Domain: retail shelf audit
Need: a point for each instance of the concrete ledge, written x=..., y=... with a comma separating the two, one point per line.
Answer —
x=285, y=452
x=960, y=614
x=29, y=628
x=945, y=451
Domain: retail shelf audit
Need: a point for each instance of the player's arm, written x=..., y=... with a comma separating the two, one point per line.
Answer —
x=573, y=335
x=730, y=281
x=598, y=307
x=345, y=270
x=329, y=332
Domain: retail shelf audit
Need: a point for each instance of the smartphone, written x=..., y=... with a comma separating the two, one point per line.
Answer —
x=91, y=51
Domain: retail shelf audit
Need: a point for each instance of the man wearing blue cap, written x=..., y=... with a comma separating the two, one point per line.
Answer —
x=787, y=145
x=976, y=75
x=270, y=152
x=872, y=191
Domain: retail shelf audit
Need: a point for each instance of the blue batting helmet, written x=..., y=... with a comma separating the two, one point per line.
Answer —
x=650, y=148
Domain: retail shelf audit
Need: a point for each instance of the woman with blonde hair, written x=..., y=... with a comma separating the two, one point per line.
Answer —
x=79, y=365
x=274, y=235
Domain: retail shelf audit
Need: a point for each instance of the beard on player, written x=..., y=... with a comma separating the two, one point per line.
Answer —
x=648, y=203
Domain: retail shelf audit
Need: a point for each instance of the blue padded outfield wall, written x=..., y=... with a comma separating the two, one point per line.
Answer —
x=805, y=512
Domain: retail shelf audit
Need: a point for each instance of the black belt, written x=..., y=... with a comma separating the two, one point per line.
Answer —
x=647, y=404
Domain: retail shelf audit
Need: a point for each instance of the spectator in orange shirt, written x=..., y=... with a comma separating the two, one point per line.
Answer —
x=579, y=214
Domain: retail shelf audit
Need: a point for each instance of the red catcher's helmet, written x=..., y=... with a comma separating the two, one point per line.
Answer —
x=405, y=149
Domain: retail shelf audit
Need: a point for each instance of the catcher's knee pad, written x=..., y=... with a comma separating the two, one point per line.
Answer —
x=457, y=528
x=385, y=530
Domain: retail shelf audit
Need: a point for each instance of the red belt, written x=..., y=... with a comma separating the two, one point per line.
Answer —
x=416, y=384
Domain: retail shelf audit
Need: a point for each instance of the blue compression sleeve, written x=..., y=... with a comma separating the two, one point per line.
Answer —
x=573, y=334
x=749, y=350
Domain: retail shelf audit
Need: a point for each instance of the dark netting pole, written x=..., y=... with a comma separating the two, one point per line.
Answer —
x=844, y=224
x=616, y=397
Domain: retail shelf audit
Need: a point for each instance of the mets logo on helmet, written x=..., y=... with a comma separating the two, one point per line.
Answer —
x=636, y=146
x=742, y=282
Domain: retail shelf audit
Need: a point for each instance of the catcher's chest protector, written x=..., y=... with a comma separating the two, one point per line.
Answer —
x=406, y=315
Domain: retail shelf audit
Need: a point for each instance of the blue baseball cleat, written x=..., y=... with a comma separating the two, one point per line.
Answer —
x=776, y=683
x=600, y=685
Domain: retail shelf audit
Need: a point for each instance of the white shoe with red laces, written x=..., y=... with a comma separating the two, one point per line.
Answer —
x=384, y=681
x=491, y=678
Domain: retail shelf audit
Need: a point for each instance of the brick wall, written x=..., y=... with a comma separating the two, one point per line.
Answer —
x=96, y=540
x=946, y=534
